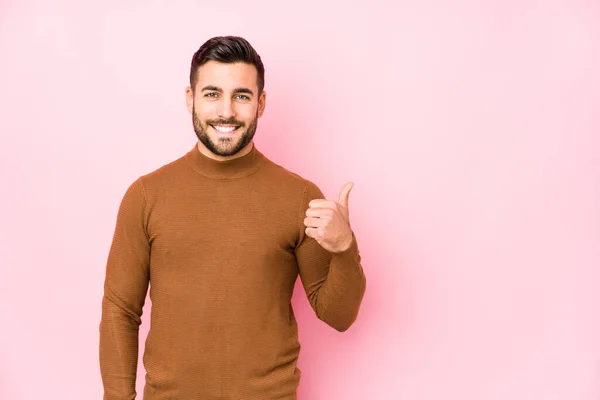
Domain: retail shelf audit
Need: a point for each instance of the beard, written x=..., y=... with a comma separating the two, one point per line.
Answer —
x=226, y=146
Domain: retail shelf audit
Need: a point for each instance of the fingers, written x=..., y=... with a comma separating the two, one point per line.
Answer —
x=342, y=200
x=322, y=203
x=312, y=222
x=345, y=193
x=311, y=232
x=320, y=212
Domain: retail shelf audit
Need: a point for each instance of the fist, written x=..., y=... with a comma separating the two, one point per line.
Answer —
x=328, y=222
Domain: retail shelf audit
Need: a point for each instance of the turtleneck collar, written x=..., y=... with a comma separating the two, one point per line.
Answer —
x=225, y=170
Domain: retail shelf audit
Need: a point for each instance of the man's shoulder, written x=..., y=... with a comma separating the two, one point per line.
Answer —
x=167, y=170
x=168, y=173
x=287, y=178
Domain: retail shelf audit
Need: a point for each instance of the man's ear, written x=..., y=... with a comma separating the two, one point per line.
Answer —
x=262, y=103
x=189, y=99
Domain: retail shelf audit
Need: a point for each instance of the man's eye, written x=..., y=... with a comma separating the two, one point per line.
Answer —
x=243, y=97
x=211, y=94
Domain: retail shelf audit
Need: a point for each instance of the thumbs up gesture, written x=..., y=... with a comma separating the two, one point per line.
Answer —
x=328, y=222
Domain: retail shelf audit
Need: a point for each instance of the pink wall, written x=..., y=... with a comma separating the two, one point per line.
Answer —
x=471, y=130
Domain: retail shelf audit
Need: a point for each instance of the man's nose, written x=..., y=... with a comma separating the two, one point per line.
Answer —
x=226, y=110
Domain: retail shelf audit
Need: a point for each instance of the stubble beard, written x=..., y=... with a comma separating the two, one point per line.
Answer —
x=225, y=146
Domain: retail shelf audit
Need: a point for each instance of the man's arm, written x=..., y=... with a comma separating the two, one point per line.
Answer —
x=329, y=260
x=125, y=288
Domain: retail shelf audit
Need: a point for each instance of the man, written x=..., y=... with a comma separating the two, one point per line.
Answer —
x=220, y=236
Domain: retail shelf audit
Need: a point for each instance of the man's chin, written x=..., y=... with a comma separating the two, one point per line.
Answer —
x=226, y=144
x=225, y=147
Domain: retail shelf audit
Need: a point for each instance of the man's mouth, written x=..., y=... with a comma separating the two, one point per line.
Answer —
x=225, y=128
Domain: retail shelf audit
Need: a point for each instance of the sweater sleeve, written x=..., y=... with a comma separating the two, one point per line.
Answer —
x=334, y=282
x=125, y=288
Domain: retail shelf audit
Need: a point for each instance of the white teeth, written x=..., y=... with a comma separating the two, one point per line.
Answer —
x=225, y=129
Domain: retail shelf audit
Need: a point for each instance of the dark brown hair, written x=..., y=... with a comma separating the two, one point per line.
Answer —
x=227, y=49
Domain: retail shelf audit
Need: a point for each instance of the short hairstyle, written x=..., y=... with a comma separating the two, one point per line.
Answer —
x=229, y=50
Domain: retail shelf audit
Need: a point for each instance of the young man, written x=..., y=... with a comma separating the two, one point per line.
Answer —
x=221, y=235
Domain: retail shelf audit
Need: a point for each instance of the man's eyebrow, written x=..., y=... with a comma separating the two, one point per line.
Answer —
x=243, y=90
x=236, y=90
x=213, y=88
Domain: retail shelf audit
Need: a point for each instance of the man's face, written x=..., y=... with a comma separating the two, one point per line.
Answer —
x=225, y=106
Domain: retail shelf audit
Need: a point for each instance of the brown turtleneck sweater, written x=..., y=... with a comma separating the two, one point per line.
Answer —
x=221, y=245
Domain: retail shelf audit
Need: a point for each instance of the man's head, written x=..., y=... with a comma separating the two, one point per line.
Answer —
x=226, y=95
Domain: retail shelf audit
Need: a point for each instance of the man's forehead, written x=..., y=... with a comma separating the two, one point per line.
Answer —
x=226, y=74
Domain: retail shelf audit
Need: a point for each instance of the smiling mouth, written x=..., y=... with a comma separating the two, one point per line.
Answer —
x=225, y=128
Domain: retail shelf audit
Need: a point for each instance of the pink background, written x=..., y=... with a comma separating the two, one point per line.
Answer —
x=471, y=130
